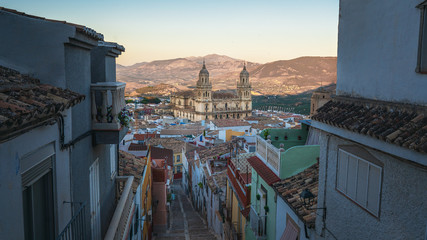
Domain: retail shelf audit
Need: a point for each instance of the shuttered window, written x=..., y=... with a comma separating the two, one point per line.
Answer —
x=36, y=164
x=360, y=180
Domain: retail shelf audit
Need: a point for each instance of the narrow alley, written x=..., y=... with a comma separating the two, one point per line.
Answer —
x=185, y=222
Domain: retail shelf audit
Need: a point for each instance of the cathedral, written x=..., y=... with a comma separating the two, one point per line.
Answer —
x=204, y=104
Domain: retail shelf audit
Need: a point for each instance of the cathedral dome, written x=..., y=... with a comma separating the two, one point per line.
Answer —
x=204, y=71
x=244, y=73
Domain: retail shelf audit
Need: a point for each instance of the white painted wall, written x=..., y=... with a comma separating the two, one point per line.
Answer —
x=281, y=210
x=377, y=51
x=11, y=152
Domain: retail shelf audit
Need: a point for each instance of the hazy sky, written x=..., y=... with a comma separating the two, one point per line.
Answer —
x=258, y=31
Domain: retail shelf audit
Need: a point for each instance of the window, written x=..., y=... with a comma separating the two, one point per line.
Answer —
x=422, y=41
x=359, y=180
x=291, y=231
x=178, y=158
x=113, y=160
x=38, y=193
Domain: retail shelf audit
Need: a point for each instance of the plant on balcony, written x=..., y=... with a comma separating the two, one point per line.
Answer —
x=258, y=197
x=266, y=208
x=265, y=133
x=124, y=117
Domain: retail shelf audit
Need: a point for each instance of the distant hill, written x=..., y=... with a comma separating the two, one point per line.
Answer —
x=275, y=78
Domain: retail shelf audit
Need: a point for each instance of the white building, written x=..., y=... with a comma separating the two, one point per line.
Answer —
x=373, y=157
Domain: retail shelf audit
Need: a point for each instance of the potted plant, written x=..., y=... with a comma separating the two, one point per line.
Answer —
x=258, y=197
x=124, y=117
x=266, y=208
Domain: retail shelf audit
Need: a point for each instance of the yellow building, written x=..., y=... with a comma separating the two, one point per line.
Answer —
x=146, y=200
x=230, y=133
x=238, y=195
x=140, y=169
x=204, y=104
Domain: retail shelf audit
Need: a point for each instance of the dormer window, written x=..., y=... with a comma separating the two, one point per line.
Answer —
x=422, y=41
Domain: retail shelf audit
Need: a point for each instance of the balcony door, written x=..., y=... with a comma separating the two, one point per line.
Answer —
x=95, y=213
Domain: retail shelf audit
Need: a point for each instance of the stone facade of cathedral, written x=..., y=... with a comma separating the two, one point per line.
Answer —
x=204, y=104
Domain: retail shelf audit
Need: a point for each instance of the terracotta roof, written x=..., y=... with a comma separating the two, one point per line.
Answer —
x=290, y=189
x=245, y=212
x=213, y=151
x=170, y=143
x=188, y=93
x=222, y=95
x=159, y=174
x=24, y=101
x=130, y=165
x=137, y=147
x=162, y=153
x=79, y=28
x=256, y=118
x=403, y=125
x=142, y=137
x=180, y=132
x=230, y=123
x=265, y=172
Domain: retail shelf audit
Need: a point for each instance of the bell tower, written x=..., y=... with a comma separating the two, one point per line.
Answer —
x=243, y=86
x=204, y=86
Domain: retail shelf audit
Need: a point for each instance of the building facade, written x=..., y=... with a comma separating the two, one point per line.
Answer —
x=373, y=157
x=204, y=104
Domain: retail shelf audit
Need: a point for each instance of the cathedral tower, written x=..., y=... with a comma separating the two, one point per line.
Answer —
x=204, y=86
x=243, y=86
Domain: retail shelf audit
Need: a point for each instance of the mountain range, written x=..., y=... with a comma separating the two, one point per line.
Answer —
x=283, y=77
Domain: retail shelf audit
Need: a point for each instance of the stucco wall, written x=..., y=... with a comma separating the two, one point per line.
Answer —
x=11, y=205
x=297, y=159
x=282, y=210
x=257, y=181
x=42, y=54
x=403, y=211
x=377, y=51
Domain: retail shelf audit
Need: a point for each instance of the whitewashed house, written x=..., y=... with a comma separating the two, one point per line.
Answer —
x=373, y=157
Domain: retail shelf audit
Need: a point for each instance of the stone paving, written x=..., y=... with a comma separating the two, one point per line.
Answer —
x=185, y=222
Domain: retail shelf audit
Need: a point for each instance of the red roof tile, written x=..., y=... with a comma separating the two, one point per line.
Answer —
x=137, y=147
x=265, y=172
x=400, y=124
x=245, y=212
x=162, y=153
x=24, y=101
x=142, y=137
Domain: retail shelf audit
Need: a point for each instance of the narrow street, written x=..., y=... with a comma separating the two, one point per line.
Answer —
x=185, y=222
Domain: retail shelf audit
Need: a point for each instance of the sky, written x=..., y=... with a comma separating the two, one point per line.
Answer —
x=255, y=31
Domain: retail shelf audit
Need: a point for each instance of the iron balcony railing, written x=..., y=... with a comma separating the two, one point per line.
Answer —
x=76, y=228
x=258, y=224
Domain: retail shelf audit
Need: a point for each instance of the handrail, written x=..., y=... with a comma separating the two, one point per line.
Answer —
x=76, y=227
x=115, y=220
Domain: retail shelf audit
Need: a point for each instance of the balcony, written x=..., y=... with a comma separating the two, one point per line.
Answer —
x=122, y=217
x=76, y=228
x=258, y=224
x=268, y=153
x=107, y=102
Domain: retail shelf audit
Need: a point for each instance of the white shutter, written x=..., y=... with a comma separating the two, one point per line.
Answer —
x=374, y=189
x=362, y=183
x=352, y=177
x=342, y=171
